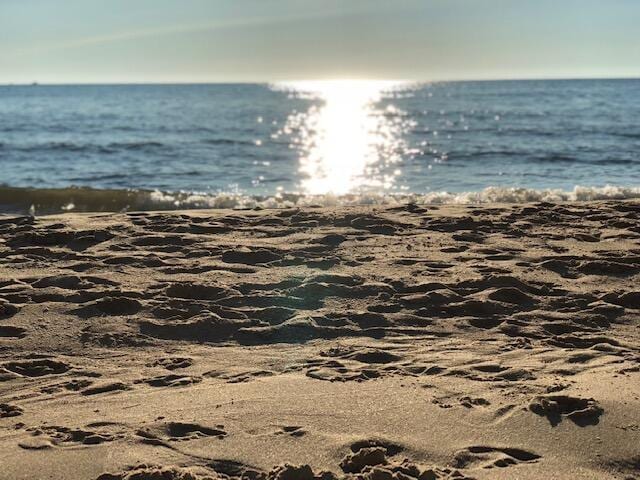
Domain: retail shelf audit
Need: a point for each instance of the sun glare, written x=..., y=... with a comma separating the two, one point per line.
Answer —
x=346, y=142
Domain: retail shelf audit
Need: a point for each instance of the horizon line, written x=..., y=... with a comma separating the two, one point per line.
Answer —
x=268, y=82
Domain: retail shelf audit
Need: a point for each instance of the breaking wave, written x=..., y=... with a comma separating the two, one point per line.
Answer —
x=50, y=201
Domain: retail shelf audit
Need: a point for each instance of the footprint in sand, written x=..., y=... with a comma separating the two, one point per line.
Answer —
x=293, y=431
x=7, y=309
x=370, y=460
x=217, y=469
x=105, y=387
x=9, y=331
x=46, y=437
x=239, y=377
x=73, y=385
x=109, y=306
x=581, y=411
x=7, y=410
x=491, y=457
x=171, y=380
x=172, y=363
x=162, y=433
x=247, y=256
x=37, y=367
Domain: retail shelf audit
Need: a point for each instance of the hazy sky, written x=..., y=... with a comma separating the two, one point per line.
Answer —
x=78, y=41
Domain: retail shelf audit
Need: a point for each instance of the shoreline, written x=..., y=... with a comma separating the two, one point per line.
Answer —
x=51, y=201
x=490, y=341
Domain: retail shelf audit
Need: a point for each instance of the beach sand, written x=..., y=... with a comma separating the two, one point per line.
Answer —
x=411, y=342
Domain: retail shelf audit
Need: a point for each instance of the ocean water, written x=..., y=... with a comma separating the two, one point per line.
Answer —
x=169, y=146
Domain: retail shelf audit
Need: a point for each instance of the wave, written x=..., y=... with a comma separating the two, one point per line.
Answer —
x=532, y=157
x=633, y=135
x=227, y=141
x=87, y=147
x=143, y=145
x=50, y=201
x=113, y=147
x=527, y=195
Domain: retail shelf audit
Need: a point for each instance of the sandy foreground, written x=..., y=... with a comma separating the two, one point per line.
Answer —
x=412, y=342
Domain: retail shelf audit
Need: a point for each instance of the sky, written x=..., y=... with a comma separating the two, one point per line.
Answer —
x=171, y=41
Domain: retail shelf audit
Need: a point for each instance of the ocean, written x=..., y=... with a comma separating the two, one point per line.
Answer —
x=126, y=147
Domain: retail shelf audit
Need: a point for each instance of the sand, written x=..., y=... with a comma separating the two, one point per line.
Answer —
x=412, y=342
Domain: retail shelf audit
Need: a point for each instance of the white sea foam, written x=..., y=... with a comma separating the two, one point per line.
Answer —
x=488, y=195
x=45, y=201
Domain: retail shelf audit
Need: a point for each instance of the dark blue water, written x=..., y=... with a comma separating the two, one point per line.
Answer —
x=253, y=139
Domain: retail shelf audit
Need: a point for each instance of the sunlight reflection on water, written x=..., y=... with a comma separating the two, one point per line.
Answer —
x=347, y=143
